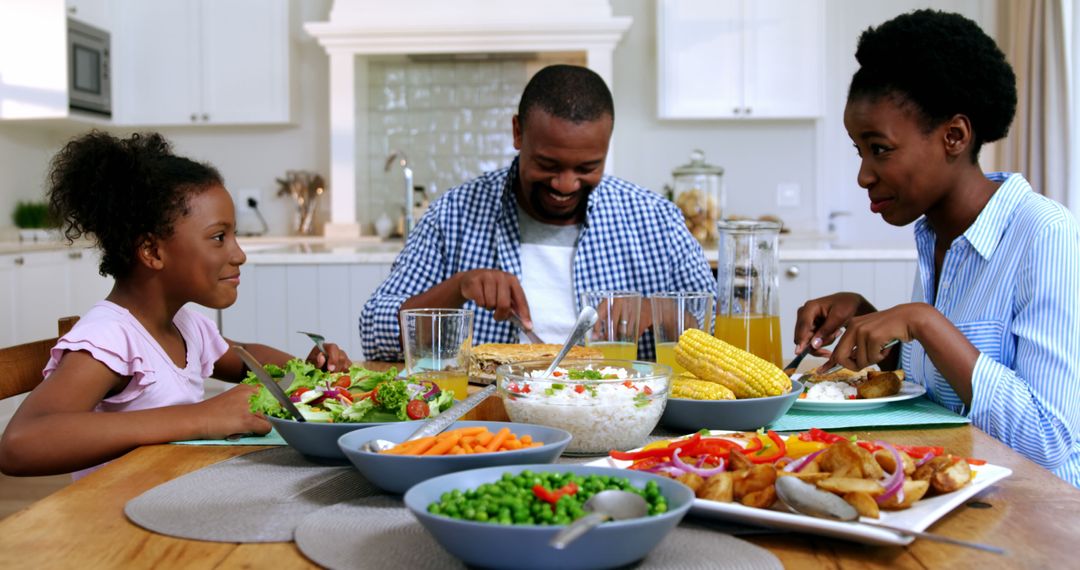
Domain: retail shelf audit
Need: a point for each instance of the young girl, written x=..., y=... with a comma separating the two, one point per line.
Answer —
x=166, y=227
x=994, y=329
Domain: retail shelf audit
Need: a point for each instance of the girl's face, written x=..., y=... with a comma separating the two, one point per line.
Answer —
x=903, y=168
x=202, y=256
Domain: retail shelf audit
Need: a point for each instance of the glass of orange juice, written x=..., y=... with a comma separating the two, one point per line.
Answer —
x=674, y=312
x=437, y=344
x=616, y=331
x=748, y=301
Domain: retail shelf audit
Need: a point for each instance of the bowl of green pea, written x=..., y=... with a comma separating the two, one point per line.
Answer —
x=518, y=509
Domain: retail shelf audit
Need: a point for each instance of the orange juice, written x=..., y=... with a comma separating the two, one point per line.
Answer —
x=617, y=350
x=757, y=334
x=458, y=381
x=665, y=354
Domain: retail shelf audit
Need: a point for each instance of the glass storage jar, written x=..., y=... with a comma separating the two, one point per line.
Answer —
x=699, y=192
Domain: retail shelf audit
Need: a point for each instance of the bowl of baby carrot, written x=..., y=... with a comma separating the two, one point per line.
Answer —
x=464, y=445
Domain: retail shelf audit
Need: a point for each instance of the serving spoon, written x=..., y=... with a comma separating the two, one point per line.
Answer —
x=804, y=498
x=603, y=506
x=585, y=320
x=435, y=425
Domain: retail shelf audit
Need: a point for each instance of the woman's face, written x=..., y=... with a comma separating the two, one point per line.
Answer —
x=202, y=257
x=903, y=167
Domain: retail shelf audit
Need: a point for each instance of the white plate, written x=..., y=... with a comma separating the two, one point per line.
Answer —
x=908, y=391
x=918, y=518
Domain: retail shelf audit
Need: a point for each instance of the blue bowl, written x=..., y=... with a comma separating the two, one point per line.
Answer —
x=396, y=473
x=748, y=414
x=318, y=441
x=609, y=545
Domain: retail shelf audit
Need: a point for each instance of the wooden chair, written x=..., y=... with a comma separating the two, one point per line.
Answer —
x=21, y=365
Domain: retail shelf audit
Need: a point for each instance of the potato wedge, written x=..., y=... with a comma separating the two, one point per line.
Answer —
x=808, y=477
x=692, y=480
x=951, y=477
x=762, y=499
x=844, y=485
x=718, y=488
x=864, y=504
x=886, y=461
x=913, y=491
x=754, y=479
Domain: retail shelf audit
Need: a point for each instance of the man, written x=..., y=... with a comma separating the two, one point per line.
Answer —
x=530, y=238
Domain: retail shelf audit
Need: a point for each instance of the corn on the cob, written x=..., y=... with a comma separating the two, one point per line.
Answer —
x=745, y=374
x=688, y=386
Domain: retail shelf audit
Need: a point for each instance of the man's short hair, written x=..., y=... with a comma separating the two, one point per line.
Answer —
x=569, y=92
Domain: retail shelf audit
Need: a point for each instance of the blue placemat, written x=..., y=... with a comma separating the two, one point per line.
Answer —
x=917, y=412
x=271, y=438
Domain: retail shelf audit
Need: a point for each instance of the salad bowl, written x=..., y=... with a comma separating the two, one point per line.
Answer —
x=397, y=473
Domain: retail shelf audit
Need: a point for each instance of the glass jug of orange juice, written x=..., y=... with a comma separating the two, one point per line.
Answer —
x=747, y=302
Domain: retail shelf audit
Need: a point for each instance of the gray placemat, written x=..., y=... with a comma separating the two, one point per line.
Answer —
x=378, y=532
x=258, y=497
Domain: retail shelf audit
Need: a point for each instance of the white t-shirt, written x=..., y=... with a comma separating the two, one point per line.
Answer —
x=547, y=257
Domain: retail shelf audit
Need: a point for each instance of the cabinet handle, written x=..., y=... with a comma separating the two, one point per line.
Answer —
x=793, y=271
x=75, y=255
x=205, y=117
x=19, y=261
x=72, y=10
x=194, y=117
x=747, y=110
x=736, y=110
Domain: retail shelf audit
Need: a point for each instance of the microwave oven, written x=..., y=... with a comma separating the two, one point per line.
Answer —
x=89, y=86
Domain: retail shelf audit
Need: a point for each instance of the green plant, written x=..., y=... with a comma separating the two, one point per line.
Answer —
x=31, y=215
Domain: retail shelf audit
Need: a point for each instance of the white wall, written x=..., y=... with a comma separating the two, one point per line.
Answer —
x=25, y=150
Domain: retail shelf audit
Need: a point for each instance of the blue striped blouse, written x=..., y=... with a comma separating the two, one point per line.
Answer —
x=1011, y=284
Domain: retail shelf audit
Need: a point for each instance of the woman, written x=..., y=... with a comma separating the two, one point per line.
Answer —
x=994, y=329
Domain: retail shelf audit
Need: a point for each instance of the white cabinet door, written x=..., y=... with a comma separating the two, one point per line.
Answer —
x=740, y=59
x=87, y=285
x=93, y=12
x=7, y=300
x=42, y=293
x=185, y=62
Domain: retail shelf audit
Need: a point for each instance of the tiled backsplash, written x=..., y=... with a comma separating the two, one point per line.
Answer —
x=451, y=118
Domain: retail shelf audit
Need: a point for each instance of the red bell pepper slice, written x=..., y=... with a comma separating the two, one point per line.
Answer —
x=755, y=445
x=920, y=451
x=656, y=451
x=549, y=496
x=777, y=451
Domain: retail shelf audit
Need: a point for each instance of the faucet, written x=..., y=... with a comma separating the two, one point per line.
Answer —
x=403, y=161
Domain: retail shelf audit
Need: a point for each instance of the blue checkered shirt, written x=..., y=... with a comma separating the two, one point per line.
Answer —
x=633, y=239
x=1011, y=284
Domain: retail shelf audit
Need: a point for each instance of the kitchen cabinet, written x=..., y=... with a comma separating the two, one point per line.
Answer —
x=276, y=300
x=740, y=59
x=202, y=62
x=884, y=283
x=39, y=287
x=93, y=12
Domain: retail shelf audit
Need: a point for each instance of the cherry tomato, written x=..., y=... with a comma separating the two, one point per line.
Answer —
x=417, y=409
x=343, y=381
x=300, y=390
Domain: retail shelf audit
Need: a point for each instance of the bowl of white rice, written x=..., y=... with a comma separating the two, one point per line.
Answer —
x=605, y=404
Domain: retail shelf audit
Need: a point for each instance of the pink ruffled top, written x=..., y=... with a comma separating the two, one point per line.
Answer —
x=114, y=337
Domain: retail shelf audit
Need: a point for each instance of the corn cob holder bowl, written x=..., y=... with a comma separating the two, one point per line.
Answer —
x=725, y=387
x=604, y=403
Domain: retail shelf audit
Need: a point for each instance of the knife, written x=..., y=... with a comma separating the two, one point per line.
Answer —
x=885, y=346
x=268, y=381
x=514, y=318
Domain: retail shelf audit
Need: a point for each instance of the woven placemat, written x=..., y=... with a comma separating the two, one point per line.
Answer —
x=258, y=497
x=378, y=532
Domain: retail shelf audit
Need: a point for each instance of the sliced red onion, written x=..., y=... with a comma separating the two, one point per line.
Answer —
x=894, y=483
x=800, y=463
x=433, y=389
x=703, y=473
x=929, y=455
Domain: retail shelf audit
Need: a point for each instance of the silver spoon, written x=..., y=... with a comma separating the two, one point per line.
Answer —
x=585, y=320
x=802, y=497
x=603, y=506
x=437, y=424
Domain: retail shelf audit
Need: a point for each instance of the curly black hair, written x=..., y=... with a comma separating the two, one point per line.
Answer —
x=121, y=191
x=939, y=64
x=569, y=92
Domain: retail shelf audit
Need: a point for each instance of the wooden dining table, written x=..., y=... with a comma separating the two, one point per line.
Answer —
x=1032, y=514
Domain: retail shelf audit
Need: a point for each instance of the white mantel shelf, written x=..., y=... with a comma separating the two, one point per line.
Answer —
x=364, y=28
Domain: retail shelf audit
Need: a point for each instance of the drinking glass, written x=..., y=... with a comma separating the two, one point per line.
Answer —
x=748, y=301
x=437, y=346
x=674, y=312
x=616, y=331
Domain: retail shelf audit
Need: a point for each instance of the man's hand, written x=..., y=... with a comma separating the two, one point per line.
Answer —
x=496, y=291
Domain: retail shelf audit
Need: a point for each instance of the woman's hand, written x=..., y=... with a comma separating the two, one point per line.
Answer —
x=863, y=343
x=334, y=360
x=230, y=413
x=819, y=320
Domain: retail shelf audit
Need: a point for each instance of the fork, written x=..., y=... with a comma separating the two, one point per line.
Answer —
x=319, y=341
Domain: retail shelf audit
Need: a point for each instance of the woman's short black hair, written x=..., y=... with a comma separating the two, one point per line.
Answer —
x=941, y=65
x=569, y=92
x=121, y=191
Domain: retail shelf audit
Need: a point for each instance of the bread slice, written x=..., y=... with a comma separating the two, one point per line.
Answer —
x=485, y=358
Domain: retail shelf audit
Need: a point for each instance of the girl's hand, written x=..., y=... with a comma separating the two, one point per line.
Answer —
x=819, y=320
x=863, y=342
x=230, y=413
x=334, y=360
